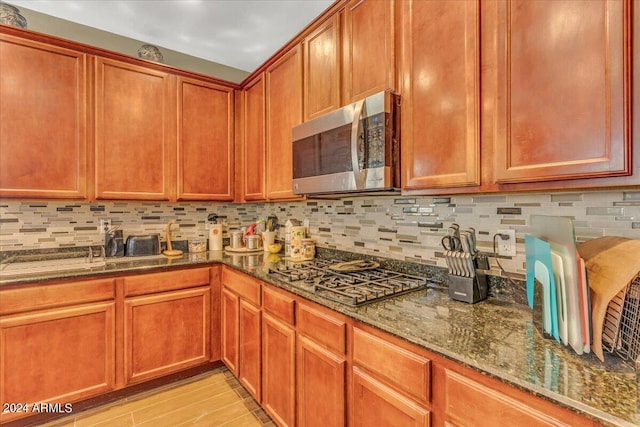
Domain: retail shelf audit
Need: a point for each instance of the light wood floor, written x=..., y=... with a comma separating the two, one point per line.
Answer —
x=212, y=399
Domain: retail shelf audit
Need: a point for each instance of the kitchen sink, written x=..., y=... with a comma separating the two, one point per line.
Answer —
x=49, y=266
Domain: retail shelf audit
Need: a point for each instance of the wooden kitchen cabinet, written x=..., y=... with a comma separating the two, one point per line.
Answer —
x=43, y=120
x=229, y=326
x=215, y=281
x=471, y=403
x=321, y=385
x=395, y=393
x=349, y=56
x=279, y=355
x=321, y=367
x=167, y=323
x=562, y=96
x=284, y=111
x=254, y=151
x=166, y=333
x=410, y=371
x=468, y=398
x=135, y=145
x=278, y=370
x=322, y=68
x=368, y=49
x=439, y=71
x=241, y=326
x=205, y=140
x=64, y=336
x=374, y=403
x=250, y=331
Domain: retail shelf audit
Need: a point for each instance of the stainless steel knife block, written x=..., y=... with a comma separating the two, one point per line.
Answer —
x=469, y=289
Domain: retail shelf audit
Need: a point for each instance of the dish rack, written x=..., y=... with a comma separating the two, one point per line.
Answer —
x=621, y=331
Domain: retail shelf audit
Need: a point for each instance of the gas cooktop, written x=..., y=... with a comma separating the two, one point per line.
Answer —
x=351, y=287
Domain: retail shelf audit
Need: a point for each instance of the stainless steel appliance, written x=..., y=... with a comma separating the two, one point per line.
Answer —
x=353, y=149
x=350, y=288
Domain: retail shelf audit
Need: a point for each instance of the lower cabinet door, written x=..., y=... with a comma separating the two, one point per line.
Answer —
x=229, y=333
x=249, y=348
x=166, y=333
x=320, y=385
x=375, y=404
x=278, y=370
x=56, y=356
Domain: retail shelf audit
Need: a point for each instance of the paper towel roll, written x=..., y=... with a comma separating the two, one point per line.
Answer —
x=215, y=237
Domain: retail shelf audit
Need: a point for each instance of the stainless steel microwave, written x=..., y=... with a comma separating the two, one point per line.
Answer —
x=353, y=149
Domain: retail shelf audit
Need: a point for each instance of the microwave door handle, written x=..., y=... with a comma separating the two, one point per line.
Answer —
x=355, y=127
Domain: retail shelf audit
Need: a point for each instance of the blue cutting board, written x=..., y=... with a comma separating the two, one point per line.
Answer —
x=540, y=267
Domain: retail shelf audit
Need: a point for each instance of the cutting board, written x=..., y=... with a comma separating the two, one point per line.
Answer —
x=571, y=294
x=611, y=263
x=560, y=233
x=561, y=298
x=540, y=269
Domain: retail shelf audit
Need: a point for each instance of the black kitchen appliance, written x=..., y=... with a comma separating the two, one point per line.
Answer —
x=147, y=244
x=113, y=244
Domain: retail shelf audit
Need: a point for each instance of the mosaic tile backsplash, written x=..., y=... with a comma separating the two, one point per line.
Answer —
x=398, y=227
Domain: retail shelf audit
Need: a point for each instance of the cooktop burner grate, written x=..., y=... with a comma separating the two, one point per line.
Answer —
x=351, y=288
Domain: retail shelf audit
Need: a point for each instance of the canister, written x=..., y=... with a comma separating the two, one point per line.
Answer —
x=253, y=242
x=215, y=237
x=236, y=239
x=287, y=235
x=308, y=250
x=297, y=234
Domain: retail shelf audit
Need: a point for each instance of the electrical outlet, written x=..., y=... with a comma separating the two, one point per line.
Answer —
x=105, y=225
x=507, y=247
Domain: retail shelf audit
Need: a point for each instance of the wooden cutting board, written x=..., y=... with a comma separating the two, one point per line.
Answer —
x=357, y=265
x=611, y=263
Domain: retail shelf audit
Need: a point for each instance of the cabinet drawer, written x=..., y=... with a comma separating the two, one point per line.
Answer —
x=167, y=281
x=471, y=403
x=324, y=328
x=47, y=296
x=278, y=304
x=245, y=286
x=376, y=404
x=409, y=372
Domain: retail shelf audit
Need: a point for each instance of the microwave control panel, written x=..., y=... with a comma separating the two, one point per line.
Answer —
x=373, y=150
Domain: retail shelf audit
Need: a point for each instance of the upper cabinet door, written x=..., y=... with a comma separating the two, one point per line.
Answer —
x=368, y=60
x=134, y=131
x=205, y=140
x=322, y=69
x=563, y=89
x=440, y=89
x=43, y=116
x=284, y=111
x=253, y=153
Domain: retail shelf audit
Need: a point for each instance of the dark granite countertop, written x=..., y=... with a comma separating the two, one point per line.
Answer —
x=494, y=336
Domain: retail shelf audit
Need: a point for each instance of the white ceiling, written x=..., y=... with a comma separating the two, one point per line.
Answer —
x=238, y=33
